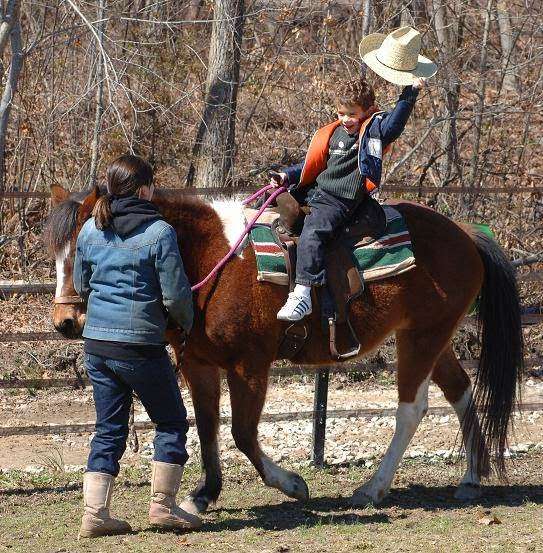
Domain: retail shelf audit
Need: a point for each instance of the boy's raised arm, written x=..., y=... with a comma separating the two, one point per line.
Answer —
x=393, y=124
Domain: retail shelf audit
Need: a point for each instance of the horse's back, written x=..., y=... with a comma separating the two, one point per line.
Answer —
x=444, y=251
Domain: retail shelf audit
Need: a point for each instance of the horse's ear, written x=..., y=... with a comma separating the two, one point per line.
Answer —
x=58, y=194
x=88, y=204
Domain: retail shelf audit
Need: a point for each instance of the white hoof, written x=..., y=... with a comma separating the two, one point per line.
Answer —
x=194, y=506
x=366, y=496
x=467, y=492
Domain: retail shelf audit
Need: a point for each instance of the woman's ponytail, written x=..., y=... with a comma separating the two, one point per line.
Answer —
x=125, y=176
x=102, y=212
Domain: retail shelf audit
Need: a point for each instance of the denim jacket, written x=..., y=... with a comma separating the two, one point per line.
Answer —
x=131, y=283
x=383, y=129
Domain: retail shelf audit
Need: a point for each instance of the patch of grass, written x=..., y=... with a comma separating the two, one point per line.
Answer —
x=41, y=512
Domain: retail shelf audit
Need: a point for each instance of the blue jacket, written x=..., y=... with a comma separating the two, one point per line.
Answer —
x=376, y=135
x=130, y=282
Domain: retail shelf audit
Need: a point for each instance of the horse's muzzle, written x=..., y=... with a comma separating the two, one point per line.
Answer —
x=69, y=328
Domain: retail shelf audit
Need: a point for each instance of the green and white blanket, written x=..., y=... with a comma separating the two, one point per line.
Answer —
x=391, y=255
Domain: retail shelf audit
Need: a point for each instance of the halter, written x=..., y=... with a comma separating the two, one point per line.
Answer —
x=67, y=300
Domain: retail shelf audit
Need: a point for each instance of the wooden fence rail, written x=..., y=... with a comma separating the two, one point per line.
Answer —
x=14, y=337
x=30, y=194
x=287, y=370
x=88, y=427
x=10, y=287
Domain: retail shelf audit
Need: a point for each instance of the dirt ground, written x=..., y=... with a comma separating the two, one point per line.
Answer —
x=347, y=440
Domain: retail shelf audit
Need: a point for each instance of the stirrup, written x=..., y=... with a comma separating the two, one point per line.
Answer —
x=353, y=352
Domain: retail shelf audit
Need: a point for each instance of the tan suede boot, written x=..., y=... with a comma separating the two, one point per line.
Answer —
x=164, y=512
x=97, y=490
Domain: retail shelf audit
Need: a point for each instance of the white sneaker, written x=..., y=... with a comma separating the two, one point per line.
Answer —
x=296, y=308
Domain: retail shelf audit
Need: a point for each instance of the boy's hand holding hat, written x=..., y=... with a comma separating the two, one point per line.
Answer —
x=396, y=57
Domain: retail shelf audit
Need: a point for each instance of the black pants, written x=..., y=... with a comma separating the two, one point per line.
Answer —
x=328, y=217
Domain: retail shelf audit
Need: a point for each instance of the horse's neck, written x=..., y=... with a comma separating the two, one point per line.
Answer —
x=199, y=228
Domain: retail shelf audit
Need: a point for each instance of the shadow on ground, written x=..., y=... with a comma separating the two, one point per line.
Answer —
x=333, y=510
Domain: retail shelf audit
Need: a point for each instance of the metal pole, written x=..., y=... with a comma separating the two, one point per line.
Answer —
x=319, y=416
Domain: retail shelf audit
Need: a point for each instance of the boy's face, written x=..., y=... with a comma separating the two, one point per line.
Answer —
x=351, y=116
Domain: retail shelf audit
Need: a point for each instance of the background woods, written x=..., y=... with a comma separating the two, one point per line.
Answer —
x=216, y=93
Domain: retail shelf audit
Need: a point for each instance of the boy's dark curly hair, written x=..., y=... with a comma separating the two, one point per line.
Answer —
x=355, y=91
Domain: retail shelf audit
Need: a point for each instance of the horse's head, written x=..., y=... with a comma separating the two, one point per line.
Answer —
x=68, y=214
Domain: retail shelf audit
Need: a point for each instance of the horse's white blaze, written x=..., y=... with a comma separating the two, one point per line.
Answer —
x=461, y=406
x=408, y=417
x=233, y=221
x=60, y=262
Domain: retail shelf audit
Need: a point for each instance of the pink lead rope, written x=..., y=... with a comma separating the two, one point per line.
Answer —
x=248, y=227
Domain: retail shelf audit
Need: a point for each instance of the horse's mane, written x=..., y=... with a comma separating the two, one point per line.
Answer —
x=62, y=221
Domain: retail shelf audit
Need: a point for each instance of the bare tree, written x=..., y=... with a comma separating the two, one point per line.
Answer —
x=449, y=43
x=506, y=41
x=481, y=93
x=10, y=29
x=215, y=141
x=99, y=100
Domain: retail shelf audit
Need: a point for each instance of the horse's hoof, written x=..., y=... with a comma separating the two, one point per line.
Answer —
x=363, y=497
x=299, y=489
x=194, y=505
x=468, y=492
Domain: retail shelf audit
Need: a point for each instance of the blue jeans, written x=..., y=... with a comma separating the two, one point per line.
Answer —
x=328, y=217
x=154, y=382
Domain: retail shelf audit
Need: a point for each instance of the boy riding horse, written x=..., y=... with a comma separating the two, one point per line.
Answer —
x=344, y=159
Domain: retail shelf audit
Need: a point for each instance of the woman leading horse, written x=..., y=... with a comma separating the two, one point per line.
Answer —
x=236, y=329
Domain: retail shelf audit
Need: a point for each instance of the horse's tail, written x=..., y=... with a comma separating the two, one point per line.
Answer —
x=501, y=363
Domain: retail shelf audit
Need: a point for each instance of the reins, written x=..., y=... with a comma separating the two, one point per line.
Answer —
x=248, y=227
x=225, y=259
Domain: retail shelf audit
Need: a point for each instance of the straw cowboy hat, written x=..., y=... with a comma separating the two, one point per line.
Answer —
x=396, y=57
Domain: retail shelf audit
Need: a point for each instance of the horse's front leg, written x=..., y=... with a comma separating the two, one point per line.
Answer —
x=248, y=384
x=203, y=379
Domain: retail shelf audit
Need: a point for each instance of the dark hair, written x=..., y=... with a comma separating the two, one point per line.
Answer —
x=125, y=176
x=355, y=91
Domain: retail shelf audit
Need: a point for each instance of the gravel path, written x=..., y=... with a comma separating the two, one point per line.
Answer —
x=347, y=440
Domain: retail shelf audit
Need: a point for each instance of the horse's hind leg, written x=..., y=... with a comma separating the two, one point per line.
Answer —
x=247, y=395
x=417, y=354
x=204, y=383
x=455, y=384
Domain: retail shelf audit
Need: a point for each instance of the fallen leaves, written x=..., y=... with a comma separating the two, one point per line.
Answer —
x=487, y=518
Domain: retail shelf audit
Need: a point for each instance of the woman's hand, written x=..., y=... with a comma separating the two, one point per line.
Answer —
x=419, y=82
x=278, y=179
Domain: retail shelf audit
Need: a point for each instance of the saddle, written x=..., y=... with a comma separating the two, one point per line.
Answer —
x=343, y=280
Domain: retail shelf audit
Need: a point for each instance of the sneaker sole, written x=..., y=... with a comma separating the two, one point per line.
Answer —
x=292, y=320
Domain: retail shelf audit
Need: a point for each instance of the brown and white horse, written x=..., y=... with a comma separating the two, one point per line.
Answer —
x=236, y=330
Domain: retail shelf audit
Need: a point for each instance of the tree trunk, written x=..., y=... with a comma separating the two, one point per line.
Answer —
x=214, y=148
x=504, y=23
x=448, y=43
x=10, y=27
x=99, y=98
x=366, y=28
x=481, y=103
x=366, y=20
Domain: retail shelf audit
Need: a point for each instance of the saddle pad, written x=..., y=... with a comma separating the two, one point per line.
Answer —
x=390, y=255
